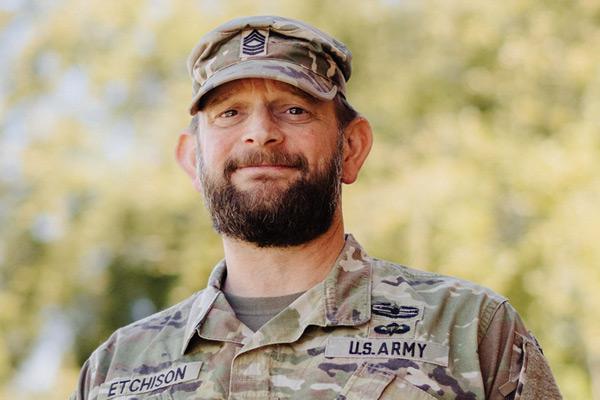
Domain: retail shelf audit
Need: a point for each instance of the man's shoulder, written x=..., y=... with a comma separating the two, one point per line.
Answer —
x=137, y=346
x=167, y=325
x=464, y=299
x=394, y=275
x=173, y=316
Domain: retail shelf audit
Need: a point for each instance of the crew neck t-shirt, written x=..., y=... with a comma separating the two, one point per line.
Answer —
x=254, y=312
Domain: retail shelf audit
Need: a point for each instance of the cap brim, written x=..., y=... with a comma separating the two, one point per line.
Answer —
x=282, y=71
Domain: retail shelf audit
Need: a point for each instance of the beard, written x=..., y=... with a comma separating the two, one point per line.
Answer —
x=270, y=216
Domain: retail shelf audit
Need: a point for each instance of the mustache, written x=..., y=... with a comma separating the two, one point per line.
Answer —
x=258, y=158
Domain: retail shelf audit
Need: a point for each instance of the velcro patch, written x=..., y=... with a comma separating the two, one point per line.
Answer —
x=395, y=320
x=127, y=386
x=416, y=350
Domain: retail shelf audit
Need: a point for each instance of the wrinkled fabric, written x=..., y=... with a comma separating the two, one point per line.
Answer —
x=370, y=330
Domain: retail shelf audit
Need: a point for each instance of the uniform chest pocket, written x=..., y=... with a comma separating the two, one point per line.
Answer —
x=174, y=394
x=370, y=383
x=366, y=383
x=164, y=395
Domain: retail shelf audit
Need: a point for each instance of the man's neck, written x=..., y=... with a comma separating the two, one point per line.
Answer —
x=277, y=271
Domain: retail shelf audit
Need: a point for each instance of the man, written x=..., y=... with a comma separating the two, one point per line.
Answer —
x=297, y=309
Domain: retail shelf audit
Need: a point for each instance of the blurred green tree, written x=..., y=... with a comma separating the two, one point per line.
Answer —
x=485, y=165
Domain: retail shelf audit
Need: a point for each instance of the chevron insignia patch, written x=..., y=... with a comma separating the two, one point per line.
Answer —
x=254, y=43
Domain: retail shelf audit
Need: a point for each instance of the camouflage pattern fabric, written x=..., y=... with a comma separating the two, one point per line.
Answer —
x=370, y=330
x=269, y=47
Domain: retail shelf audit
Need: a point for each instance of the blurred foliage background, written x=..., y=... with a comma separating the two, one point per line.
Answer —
x=486, y=164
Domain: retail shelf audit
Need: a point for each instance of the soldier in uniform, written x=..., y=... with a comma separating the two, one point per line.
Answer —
x=297, y=309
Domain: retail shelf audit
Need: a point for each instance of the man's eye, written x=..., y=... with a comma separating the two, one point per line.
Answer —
x=296, y=111
x=228, y=114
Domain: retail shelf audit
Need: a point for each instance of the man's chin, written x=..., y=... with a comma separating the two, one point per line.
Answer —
x=262, y=197
x=265, y=189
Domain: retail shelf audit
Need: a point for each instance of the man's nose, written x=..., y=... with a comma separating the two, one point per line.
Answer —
x=261, y=129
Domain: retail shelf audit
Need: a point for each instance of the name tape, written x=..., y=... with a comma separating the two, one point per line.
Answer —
x=417, y=350
x=126, y=386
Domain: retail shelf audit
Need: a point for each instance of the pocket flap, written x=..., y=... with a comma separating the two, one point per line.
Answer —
x=368, y=382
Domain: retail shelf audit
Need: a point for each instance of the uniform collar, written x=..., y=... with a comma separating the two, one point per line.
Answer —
x=343, y=298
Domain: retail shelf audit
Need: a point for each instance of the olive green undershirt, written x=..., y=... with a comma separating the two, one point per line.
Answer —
x=254, y=312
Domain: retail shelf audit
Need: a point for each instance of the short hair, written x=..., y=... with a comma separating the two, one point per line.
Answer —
x=344, y=113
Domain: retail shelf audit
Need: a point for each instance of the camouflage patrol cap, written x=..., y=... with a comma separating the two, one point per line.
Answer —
x=269, y=47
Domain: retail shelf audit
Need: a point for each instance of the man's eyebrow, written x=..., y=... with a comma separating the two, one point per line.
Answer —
x=214, y=99
x=219, y=96
x=301, y=93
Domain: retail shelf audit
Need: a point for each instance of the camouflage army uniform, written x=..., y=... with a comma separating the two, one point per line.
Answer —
x=370, y=330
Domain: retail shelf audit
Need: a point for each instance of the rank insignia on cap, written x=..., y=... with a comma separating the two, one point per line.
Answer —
x=254, y=43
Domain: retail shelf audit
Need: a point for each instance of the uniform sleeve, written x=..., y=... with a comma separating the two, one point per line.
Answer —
x=512, y=364
x=94, y=370
x=83, y=384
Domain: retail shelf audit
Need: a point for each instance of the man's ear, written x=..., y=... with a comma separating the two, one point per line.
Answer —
x=358, y=139
x=186, y=155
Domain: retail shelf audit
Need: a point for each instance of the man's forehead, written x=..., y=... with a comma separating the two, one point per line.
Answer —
x=227, y=90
